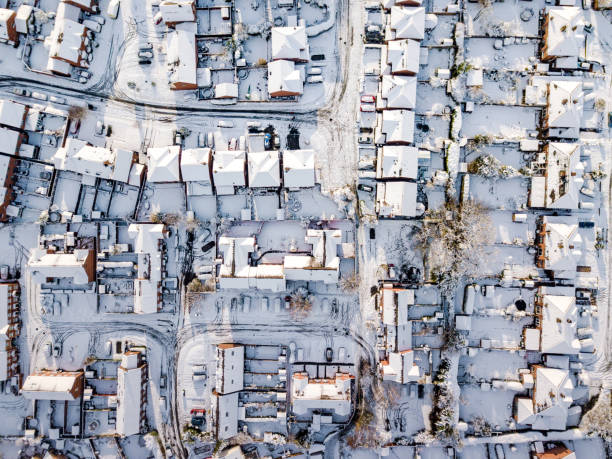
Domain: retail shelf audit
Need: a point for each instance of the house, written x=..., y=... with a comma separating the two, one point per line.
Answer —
x=9, y=330
x=10, y=141
x=24, y=19
x=290, y=43
x=560, y=186
x=7, y=169
x=563, y=33
x=230, y=368
x=397, y=162
x=396, y=128
x=399, y=367
x=175, y=11
x=331, y=396
x=226, y=91
x=562, y=246
x=264, y=169
x=551, y=397
x=407, y=22
x=149, y=247
x=402, y=57
x=396, y=199
x=556, y=322
x=131, y=393
x=79, y=265
x=284, y=79
x=565, y=105
x=110, y=164
x=397, y=92
x=53, y=385
x=163, y=164
x=182, y=56
x=229, y=382
x=558, y=452
x=298, y=168
x=91, y=6
x=236, y=270
x=8, y=30
x=67, y=42
x=13, y=114
x=196, y=170
x=229, y=170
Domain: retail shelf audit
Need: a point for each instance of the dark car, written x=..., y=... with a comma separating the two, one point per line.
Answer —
x=329, y=354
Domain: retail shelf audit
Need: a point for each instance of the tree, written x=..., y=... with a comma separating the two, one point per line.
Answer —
x=76, y=112
x=453, y=239
x=300, y=303
x=597, y=420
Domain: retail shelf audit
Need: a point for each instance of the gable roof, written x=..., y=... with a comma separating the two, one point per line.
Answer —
x=284, y=79
x=559, y=322
x=564, y=175
x=195, y=163
x=290, y=43
x=397, y=161
x=565, y=104
x=408, y=22
x=298, y=168
x=403, y=56
x=163, y=164
x=264, y=169
x=399, y=91
x=564, y=33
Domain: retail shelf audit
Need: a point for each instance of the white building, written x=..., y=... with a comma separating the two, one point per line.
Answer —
x=397, y=92
x=53, y=385
x=396, y=128
x=182, y=56
x=397, y=161
x=402, y=57
x=150, y=266
x=175, y=11
x=12, y=114
x=228, y=170
x=78, y=265
x=331, y=396
x=230, y=368
x=558, y=322
x=131, y=394
x=163, y=164
x=396, y=199
x=298, y=168
x=565, y=105
x=563, y=33
x=264, y=169
x=284, y=79
x=196, y=166
x=290, y=43
x=109, y=164
x=407, y=22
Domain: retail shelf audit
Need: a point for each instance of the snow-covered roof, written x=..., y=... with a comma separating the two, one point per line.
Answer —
x=552, y=396
x=12, y=114
x=562, y=245
x=147, y=285
x=9, y=141
x=65, y=41
x=228, y=168
x=86, y=5
x=24, y=12
x=565, y=104
x=400, y=367
x=226, y=90
x=399, y=91
x=397, y=161
x=564, y=32
x=174, y=11
x=298, y=168
x=559, y=319
x=408, y=22
x=129, y=396
x=564, y=175
x=77, y=265
x=6, y=15
x=396, y=199
x=290, y=43
x=53, y=385
x=195, y=164
x=395, y=304
x=163, y=164
x=474, y=77
x=284, y=79
x=321, y=394
x=264, y=169
x=403, y=56
x=182, y=56
x=230, y=368
x=77, y=156
x=227, y=421
x=397, y=126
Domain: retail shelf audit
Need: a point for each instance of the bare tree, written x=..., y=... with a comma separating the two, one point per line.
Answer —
x=300, y=304
x=76, y=112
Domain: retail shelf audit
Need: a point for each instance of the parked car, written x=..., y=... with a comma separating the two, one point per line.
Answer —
x=58, y=100
x=92, y=25
x=145, y=54
x=99, y=128
x=113, y=9
x=367, y=108
x=39, y=96
x=21, y=92
x=314, y=71
x=85, y=73
x=75, y=125
x=201, y=140
x=365, y=139
x=366, y=188
x=329, y=354
x=144, y=61
x=57, y=350
x=314, y=79
x=368, y=99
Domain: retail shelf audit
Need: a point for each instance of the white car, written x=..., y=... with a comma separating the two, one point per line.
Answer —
x=113, y=9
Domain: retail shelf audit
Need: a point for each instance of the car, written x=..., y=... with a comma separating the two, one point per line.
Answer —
x=368, y=108
x=85, y=73
x=48, y=349
x=198, y=417
x=209, y=245
x=57, y=350
x=113, y=9
x=178, y=138
x=314, y=79
x=145, y=54
x=158, y=18
x=39, y=96
x=277, y=141
x=83, y=80
x=147, y=47
x=75, y=126
x=329, y=354
x=225, y=124
x=92, y=25
x=267, y=141
x=45, y=175
x=368, y=99
x=201, y=140
x=314, y=71
x=21, y=92
x=366, y=188
x=58, y=100
x=317, y=57
x=144, y=61
x=41, y=190
x=99, y=128
x=365, y=139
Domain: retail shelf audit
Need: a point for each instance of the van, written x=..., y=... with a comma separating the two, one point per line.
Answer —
x=314, y=79
x=39, y=96
x=113, y=9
